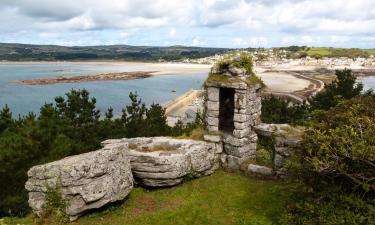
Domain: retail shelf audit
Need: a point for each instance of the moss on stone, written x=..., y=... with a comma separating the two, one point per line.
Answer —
x=244, y=61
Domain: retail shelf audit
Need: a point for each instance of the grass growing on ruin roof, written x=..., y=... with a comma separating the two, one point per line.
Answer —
x=222, y=198
x=245, y=61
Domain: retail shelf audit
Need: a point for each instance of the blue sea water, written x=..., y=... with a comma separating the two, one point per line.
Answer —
x=368, y=82
x=23, y=98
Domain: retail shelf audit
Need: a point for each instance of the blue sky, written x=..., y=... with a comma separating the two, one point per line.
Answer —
x=209, y=23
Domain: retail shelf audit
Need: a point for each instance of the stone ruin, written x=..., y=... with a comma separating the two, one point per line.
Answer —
x=232, y=114
x=232, y=109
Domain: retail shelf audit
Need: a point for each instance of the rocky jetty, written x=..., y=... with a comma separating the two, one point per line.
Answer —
x=86, y=181
x=88, y=78
x=164, y=161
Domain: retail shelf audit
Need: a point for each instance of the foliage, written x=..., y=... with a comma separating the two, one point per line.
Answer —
x=329, y=209
x=265, y=151
x=54, y=207
x=343, y=88
x=337, y=167
x=276, y=110
x=72, y=125
x=340, y=146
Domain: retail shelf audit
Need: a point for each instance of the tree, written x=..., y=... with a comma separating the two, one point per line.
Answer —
x=345, y=86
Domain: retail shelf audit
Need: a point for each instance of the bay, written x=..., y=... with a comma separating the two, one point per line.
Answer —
x=23, y=98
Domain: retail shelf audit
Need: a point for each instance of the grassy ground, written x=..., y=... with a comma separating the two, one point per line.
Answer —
x=339, y=52
x=223, y=198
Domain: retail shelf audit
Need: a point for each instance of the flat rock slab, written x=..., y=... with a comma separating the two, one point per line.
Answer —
x=86, y=181
x=164, y=161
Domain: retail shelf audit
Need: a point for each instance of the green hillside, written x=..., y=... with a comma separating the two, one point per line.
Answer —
x=22, y=52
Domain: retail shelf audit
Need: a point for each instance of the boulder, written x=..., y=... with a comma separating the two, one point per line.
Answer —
x=260, y=170
x=163, y=161
x=86, y=181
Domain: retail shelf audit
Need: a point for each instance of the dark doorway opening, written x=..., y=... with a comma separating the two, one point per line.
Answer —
x=226, y=112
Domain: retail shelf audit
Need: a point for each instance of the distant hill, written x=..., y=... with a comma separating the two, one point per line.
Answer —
x=25, y=52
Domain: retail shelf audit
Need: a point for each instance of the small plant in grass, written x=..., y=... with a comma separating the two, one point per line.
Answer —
x=54, y=207
x=265, y=151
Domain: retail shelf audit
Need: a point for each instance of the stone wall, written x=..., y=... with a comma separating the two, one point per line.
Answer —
x=239, y=145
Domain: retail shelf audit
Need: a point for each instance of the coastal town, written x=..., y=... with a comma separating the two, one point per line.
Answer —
x=269, y=58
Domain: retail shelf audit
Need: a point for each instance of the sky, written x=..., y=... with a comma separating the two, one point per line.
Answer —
x=205, y=23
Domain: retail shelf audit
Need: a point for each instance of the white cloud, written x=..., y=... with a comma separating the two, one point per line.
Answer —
x=197, y=42
x=255, y=22
x=172, y=32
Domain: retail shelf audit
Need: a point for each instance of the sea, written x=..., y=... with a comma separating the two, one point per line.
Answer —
x=22, y=98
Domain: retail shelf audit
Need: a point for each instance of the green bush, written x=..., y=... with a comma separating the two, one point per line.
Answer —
x=336, y=168
x=277, y=110
x=344, y=87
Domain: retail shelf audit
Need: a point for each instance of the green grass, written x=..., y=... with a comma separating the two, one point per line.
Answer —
x=338, y=52
x=223, y=198
x=370, y=51
x=324, y=52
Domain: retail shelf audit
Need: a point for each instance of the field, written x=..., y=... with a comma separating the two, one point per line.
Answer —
x=223, y=198
x=339, y=52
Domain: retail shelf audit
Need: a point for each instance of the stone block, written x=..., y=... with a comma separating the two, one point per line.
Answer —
x=241, y=125
x=240, y=118
x=213, y=94
x=245, y=151
x=85, y=182
x=212, y=138
x=212, y=113
x=212, y=128
x=212, y=106
x=238, y=142
x=212, y=121
x=241, y=133
x=259, y=170
x=169, y=166
x=240, y=101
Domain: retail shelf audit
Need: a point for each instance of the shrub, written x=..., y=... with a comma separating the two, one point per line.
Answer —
x=336, y=168
x=277, y=110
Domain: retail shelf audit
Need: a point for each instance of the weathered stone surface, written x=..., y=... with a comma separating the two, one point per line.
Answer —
x=241, y=133
x=163, y=161
x=236, y=71
x=245, y=151
x=240, y=118
x=240, y=101
x=259, y=170
x=213, y=94
x=212, y=113
x=212, y=128
x=212, y=121
x=212, y=106
x=229, y=139
x=212, y=138
x=242, y=125
x=278, y=161
x=86, y=181
x=234, y=163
